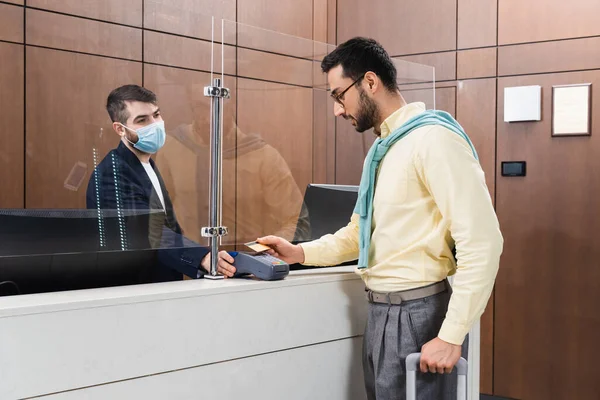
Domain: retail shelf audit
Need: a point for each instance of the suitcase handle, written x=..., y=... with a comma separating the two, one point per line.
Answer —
x=412, y=366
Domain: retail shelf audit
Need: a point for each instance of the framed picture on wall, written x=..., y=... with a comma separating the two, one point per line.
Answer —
x=572, y=110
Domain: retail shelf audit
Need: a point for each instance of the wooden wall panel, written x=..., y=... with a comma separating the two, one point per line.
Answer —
x=323, y=138
x=320, y=104
x=402, y=27
x=66, y=97
x=548, y=286
x=165, y=49
x=331, y=150
x=184, y=161
x=11, y=125
x=273, y=67
x=11, y=23
x=77, y=34
x=319, y=79
x=124, y=12
x=444, y=64
x=324, y=122
x=332, y=21
x=273, y=172
x=558, y=56
x=189, y=17
x=477, y=22
x=445, y=98
x=320, y=20
x=251, y=37
x=290, y=33
x=537, y=20
x=20, y=2
x=351, y=149
x=477, y=63
x=291, y=17
x=476, y=112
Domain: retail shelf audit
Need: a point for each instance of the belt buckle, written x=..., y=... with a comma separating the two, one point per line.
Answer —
x=389, y=299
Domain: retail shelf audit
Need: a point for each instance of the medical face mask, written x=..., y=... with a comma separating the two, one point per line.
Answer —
x=150, y=138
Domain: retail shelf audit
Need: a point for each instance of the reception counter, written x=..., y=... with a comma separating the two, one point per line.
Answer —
x=299, y=338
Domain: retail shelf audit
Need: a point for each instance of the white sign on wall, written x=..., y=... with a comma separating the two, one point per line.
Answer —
x=523, y=103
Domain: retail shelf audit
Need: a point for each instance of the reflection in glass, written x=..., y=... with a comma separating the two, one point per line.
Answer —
x=254, y=172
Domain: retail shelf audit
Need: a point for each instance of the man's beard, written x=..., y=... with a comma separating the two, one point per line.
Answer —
x=368, y=113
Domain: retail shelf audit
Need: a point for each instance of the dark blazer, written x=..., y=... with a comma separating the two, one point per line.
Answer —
x=121, y=182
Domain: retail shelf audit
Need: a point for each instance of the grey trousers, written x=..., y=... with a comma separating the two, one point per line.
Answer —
x=392, y=333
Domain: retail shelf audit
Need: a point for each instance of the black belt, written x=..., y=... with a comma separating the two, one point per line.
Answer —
x=397, y=298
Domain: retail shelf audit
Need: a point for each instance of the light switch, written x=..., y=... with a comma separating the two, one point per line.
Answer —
x=523, y=103
x=514, y=168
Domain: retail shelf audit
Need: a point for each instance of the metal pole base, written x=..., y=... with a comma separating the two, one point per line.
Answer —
x=214, y=277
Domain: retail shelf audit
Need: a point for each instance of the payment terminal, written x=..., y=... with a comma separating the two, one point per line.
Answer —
x=261, y=265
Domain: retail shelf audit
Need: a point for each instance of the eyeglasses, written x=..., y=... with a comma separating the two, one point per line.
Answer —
x=338, y=97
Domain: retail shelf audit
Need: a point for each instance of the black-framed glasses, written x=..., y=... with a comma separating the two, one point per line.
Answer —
x=338, y=97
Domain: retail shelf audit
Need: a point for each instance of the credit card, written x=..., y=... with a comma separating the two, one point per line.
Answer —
x=257, y=247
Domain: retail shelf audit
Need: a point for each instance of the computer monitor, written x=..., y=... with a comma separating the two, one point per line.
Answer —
x=52, y=250
x=58, y=231
x=328, y=208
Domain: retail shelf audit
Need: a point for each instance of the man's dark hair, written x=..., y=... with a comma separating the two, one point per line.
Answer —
x=116, y=102
x=360, y=55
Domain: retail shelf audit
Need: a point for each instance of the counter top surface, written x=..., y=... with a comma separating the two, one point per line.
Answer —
x=119, y=295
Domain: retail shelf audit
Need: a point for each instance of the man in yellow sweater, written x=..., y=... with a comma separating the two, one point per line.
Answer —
x=424, y=213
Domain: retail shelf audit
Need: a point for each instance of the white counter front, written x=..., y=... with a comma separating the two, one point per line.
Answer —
x=299, y=338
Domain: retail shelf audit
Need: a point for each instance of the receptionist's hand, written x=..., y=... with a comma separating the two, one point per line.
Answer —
x=283, y=249
x=224, y=266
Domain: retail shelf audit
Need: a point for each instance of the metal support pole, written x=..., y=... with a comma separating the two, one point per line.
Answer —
x=215, y=231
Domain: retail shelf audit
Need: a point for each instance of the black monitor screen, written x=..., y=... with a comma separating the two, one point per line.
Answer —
x=328, y=208
x=52, y=250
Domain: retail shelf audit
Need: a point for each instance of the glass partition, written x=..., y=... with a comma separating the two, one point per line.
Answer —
x=416, y=82
x=99, y=211
x=282, y=134
x=284, y=137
